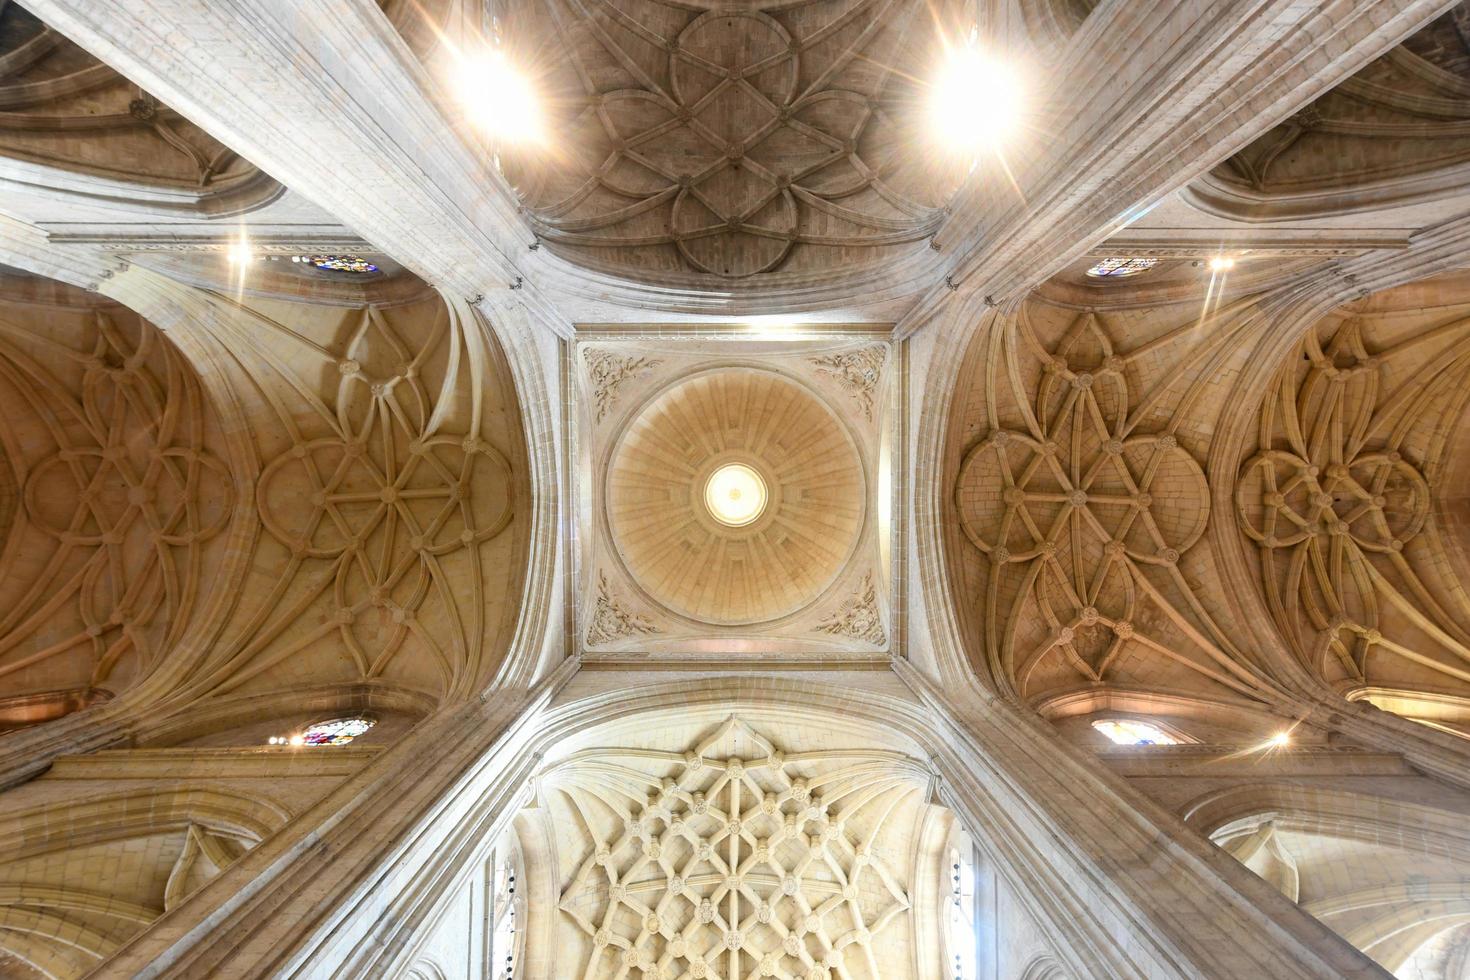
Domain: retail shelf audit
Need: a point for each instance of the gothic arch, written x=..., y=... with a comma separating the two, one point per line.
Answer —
x=1388, y=876
x=1043, y=967
x=146, y=851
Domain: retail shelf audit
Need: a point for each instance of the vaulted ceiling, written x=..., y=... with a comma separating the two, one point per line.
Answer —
x=338, y=503
x=313, y=395
x=784, y=138
x=1105, y=494
x=719, y=848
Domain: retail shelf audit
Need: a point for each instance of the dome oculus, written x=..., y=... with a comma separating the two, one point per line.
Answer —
x=735, y=495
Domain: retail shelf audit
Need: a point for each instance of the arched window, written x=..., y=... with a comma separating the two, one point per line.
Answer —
x=337, y=263
x=962, y=921
x=1127, y=732
x=1120, y=268
x=338, y=731
x=504, y=902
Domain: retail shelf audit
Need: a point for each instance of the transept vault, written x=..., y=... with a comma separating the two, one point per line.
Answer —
x=819, y=489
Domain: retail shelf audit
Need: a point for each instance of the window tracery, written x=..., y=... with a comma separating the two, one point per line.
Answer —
x=354, y=264
x=505, y=927
x=1126, y=731
x=1121, y=268
x=338, y=731
x=962, y=922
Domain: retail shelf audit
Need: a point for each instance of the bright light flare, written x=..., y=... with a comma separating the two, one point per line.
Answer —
x=975, y=101
x=1280, y=740
x=499, y=99
x=239, y=253
x=735, y=494
x=1221, y=263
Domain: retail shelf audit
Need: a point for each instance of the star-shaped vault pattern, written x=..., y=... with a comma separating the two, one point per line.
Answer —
x=1085, y=520
x=384, y=500
x=737, y=864
x=722, y=141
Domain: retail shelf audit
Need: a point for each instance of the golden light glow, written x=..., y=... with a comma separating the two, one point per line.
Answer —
x=298, y=740
x=1280, y=740
x=735, y=495
x=239, y=252
x=499, y=99
x=1221, y=263
x=975, y=100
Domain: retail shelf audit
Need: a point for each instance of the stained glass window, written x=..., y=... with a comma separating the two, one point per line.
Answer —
x=503, y=905
x=1134, y=733
x=339, y=731
x=337, y=263
x=1119, y=268
x=964, y=932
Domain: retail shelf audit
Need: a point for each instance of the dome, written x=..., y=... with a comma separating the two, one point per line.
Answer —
x=735, y=497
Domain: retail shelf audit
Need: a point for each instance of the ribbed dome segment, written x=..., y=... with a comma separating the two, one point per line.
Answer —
x=696, y=565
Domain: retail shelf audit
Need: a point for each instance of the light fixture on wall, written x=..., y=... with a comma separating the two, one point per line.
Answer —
x=498, y=97
x=975, y=99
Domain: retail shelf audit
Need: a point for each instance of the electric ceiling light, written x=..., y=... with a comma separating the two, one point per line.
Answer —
x=735, y=495
x=498, y=98
x=975, y=100
x=1221, y=263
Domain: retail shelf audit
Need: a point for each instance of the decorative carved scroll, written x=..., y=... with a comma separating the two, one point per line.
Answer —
x=859, y=618
x=610, y=621
x=858, y=372
x=609, y=371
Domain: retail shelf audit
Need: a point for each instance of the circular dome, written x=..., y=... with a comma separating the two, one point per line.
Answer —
x=735, y=497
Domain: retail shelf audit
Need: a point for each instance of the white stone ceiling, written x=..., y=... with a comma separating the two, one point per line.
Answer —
x=422, y=467
x=776, y=138
x=735, y=855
